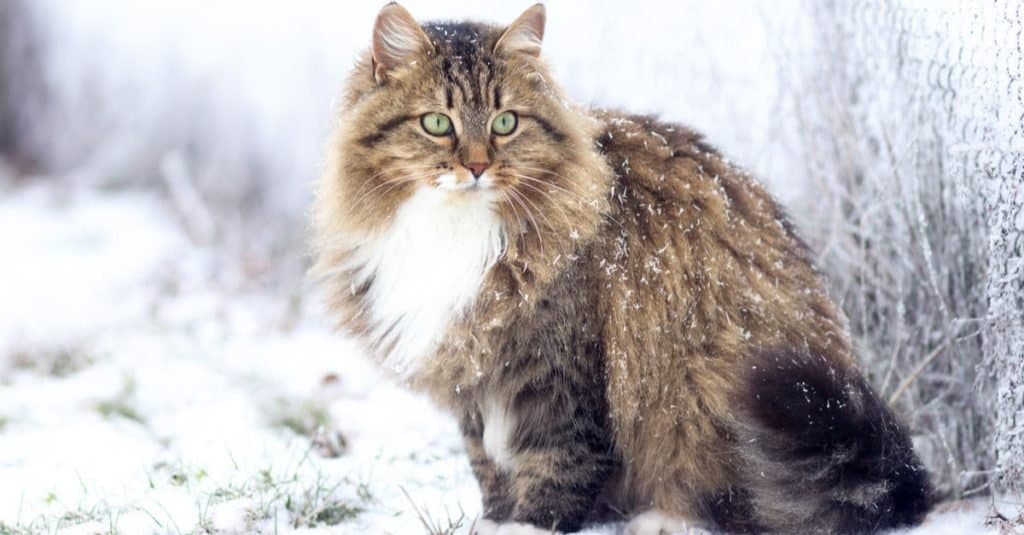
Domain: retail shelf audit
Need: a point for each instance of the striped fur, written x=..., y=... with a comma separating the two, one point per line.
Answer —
x=635, y=346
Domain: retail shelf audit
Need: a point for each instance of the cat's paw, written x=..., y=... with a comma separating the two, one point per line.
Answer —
x=655, y=522
x=483, y=526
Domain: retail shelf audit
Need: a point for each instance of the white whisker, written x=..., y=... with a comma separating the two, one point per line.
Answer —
x=529, y=214
x=392, y=184
x=554, y=202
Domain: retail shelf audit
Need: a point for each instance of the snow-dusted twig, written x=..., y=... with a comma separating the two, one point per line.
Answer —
x=189, y=204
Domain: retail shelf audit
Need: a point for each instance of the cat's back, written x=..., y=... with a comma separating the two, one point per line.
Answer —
x=693, y=240
x=700, y=272
x=669, y=172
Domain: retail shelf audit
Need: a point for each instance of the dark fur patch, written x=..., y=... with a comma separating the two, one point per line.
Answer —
x=732, y=511
x=548, y=128
x=824, y=454
x=463, y=47
x=383, y=130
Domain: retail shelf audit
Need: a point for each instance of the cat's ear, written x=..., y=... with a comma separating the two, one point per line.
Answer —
x=525, y=34
x=397, y=40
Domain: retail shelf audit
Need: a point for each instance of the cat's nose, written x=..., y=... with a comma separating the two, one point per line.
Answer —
x=477, y=168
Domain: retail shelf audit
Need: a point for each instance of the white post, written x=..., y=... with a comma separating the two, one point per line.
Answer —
x=1004, y=337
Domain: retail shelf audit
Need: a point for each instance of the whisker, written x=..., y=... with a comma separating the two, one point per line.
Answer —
x=386, y=183
x=408, y=169
x=401, y=168
x=545, y=171
x=390, y=184
x=529, y=214
x=549, y=184
x=554, y=202
x=512, y=205
x=398, y=183
x=578, y=196
x=539, y=211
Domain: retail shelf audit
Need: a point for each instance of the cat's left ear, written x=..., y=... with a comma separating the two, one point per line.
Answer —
x=525, y=34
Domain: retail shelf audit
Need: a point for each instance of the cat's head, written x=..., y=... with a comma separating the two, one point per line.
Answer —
x=467, y=110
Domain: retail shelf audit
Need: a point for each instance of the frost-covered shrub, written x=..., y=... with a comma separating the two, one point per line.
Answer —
x=905, y=113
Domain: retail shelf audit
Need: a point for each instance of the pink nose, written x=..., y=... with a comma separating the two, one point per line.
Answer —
x=477, y=168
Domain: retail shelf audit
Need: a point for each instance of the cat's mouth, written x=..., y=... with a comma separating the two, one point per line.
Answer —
x=464, y=183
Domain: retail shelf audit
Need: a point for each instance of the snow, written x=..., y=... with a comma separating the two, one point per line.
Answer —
x=145, y=399
x=166, y=413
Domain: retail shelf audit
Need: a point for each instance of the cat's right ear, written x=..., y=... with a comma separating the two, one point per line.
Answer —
x=397, y=40
x=525, y=33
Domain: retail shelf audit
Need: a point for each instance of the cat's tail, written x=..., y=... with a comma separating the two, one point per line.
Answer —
x=822, y=454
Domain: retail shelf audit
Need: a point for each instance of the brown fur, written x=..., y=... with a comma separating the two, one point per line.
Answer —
x=642, y=276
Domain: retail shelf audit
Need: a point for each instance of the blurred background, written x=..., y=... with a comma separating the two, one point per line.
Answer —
x=164, y=362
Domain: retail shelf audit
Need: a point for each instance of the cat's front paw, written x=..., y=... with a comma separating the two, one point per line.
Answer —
x=655, y=522
x=483, y=526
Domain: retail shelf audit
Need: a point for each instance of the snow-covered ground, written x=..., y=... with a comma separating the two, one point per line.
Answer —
x=145, y=388
x=136, y=395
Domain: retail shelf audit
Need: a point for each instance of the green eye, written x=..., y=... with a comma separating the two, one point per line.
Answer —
x=505, y=123
x=436, y=124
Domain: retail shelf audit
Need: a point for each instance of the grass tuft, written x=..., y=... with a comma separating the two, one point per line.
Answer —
x=59, y=362
x=334, y=513
x=303, y=418
x=121, y=405
x=437, y=526
x=309, y=419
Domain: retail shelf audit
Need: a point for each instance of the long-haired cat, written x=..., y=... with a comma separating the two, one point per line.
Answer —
x=621, y=320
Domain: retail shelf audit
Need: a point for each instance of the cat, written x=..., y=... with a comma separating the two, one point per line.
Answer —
x=623, y=323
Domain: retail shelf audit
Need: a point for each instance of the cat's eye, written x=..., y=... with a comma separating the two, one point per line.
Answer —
x=436, y=124
x=505, y=123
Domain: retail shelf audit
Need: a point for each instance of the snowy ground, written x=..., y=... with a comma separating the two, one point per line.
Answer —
x=144, y=388
x=135, y=395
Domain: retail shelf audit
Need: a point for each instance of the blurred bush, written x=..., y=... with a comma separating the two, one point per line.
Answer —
x=24, y=92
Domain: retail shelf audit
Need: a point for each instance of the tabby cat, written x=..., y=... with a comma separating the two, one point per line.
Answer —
x=623, y=323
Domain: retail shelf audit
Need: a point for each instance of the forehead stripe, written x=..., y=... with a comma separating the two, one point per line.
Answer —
x=446, y=70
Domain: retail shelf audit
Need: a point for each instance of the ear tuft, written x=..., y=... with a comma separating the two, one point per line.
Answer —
x=525, y=34
x=397, y=40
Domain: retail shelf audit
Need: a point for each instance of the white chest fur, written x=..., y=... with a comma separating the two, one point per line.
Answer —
x=498, y=425
x=426, y=268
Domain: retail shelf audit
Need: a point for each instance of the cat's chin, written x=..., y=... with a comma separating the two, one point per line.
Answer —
x=469, y=197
